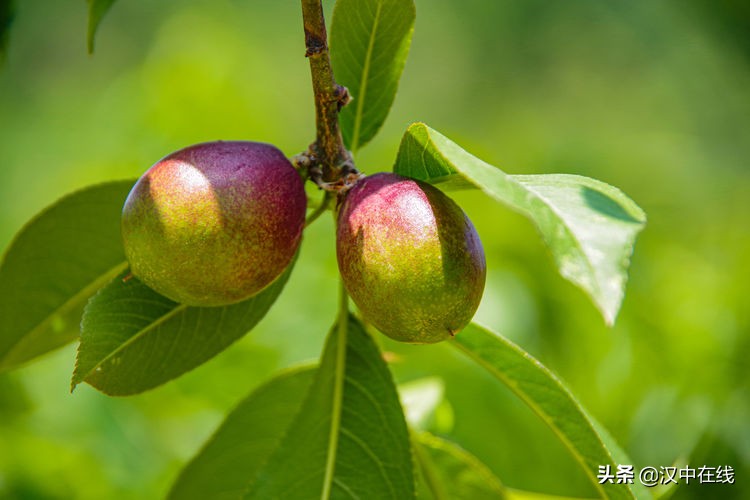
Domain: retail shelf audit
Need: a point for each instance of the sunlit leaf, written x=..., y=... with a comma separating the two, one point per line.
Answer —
x=349, y=439
x=370, y=40
x=97, y=9
x=449, y=471
x=551, y=400
x=225, y=466
x=52, y=267
x=133, y=339
x=589, y=226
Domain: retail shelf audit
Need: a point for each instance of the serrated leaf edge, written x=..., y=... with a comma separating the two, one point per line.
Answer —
x=596, y=286
x=288, y=371
x=78, y=378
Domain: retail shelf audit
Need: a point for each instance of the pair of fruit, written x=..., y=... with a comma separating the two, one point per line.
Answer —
x=216, y=223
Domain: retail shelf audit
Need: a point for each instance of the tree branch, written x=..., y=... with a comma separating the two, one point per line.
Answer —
x=329, y=149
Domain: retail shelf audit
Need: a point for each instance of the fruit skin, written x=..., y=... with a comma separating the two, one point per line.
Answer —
x=410, y=258
x=214, y=223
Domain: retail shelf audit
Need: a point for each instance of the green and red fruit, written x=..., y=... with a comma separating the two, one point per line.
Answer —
x=410, y=258
x=214, y=223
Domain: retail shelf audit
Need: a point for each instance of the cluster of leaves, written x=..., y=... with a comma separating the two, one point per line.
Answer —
x=337, y=428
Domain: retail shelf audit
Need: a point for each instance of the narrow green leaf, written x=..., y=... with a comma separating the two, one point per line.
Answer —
x=350, y=439
x=451, y=472
x=52, y=267
x=589, y=226
x=550, y=399
x=370, y=40
x=97, y=9
x=620, y=456
x=7, y=11
x=225, y=466
x=133, y=339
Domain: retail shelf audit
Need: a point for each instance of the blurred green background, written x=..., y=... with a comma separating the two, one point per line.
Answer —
x=651, y=96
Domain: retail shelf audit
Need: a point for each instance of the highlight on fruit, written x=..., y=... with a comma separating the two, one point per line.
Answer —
x=214, y=223
x=410, y=258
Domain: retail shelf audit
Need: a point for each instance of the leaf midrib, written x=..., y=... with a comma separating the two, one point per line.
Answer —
x=66, y=307
x=569, y=231
x=360, y=99
x=337, y=403
x=151, y=326
x=513, y=386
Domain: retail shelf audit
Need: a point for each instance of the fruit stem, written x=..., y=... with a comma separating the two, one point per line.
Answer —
x=321, y=208
x=330, y=97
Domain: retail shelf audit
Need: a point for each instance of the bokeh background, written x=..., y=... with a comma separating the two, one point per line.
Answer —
x=651, y=96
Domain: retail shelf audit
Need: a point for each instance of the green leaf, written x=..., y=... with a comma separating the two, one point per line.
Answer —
x=97, y=9
x=225, y=466
x=370, y=40
x=350, y=439
x=550, y=399
x=449, y=471
x=589, y=226
x=7, y=13
x=133, y=339
x=620, y=457
x=52, y=267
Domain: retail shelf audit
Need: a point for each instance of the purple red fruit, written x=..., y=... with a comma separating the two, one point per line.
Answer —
x=214, y=223
x=410, y=258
